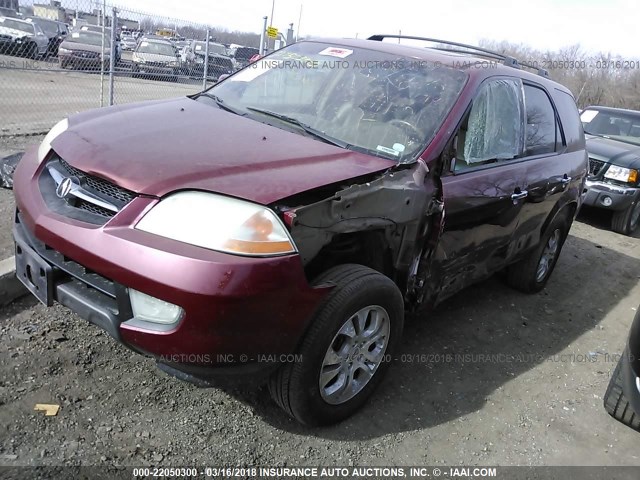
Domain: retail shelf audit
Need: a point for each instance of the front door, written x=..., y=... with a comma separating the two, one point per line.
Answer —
x=484, y=191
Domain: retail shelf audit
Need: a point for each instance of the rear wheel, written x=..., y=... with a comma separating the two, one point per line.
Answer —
x=626, y=221
x=346, y=350
x=531, y=274
x=616, y=404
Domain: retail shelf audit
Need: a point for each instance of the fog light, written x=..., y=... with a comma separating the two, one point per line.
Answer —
x=154, y=310
x=607, y=201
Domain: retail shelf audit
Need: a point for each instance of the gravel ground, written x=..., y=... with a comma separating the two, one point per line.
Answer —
x=545, y=409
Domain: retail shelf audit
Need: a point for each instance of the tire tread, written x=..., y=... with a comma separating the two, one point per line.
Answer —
x=616, y=404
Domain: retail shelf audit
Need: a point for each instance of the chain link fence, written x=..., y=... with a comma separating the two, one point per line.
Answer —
x=68, y=56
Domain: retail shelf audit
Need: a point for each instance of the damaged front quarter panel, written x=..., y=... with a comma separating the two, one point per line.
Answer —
x=383, y=223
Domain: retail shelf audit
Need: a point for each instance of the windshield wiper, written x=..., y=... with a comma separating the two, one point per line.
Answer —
x=307, y=128
x=220, y=103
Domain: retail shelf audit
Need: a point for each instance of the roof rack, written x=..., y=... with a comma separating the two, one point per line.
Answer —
x=483, y=52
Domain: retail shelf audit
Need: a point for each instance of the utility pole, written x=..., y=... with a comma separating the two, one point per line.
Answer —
x=273, y=7
x=264, y=30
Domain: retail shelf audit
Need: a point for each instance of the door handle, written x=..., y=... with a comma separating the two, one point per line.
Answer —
x=566, y=180
x=519, y=196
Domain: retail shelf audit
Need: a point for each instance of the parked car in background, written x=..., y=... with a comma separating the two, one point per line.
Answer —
x=82, y=50
x=107, y=32
x=613, y=142
x=156, y=58
x=278, y=224
x=219, y=62
x=128, y=42
x=56, y=32
x=242, y=56
x=22, y=39
x=622, y=398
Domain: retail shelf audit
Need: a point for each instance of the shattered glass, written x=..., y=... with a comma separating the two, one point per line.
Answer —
x=496, y=126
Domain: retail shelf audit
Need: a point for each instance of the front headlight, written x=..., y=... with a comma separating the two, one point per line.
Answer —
x=45, y=146
x=621, y=174
x=174, y=64
x=228, y=225
x=63, y=50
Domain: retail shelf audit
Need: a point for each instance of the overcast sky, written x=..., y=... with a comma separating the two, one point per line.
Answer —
x=598, y=25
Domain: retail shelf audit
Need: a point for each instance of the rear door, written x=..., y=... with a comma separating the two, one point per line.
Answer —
x=555, y=172
x=485, y=189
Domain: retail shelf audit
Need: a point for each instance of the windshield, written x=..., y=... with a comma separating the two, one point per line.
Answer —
x=88, y=38
x=47, y=26
x=157, y=48
x=214, y=48
x=362, y=99
x=94, y=28
x=16, y=25
x=621, y=126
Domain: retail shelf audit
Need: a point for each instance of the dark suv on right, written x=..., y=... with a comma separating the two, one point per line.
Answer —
x=613, y=143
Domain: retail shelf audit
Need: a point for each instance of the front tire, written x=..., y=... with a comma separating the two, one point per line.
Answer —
x=627, y=221
x=345, y=352
x=616, y=404
x=531, y=274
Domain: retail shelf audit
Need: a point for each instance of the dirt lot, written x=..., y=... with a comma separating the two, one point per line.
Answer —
x=538, y=404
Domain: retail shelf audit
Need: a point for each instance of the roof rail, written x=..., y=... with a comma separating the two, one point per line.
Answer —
x=483, y=52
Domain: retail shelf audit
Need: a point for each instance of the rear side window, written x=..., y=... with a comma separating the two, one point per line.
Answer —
x=570, y=118
x=541, y=122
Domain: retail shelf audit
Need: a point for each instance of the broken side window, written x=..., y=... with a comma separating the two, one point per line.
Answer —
x=495, y=129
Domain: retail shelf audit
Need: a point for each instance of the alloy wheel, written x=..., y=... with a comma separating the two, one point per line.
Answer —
x=354, y=355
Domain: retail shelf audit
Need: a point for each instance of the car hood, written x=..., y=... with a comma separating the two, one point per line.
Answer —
x=13, y=33
x=211, y=55
x=158, y=147
x=85, y=47
x=612, y=151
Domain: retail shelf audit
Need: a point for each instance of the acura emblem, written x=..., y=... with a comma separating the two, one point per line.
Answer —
x=66, y=186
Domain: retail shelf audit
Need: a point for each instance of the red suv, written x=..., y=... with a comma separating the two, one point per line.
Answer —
x=279, y=224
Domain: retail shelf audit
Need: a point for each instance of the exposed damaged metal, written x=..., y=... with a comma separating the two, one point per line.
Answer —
x=382, y=223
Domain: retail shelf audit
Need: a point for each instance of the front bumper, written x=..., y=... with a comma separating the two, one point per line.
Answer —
x=145, y=69
x=16, y=47
x=240, y=314
x=598, y=192
x=81, y=62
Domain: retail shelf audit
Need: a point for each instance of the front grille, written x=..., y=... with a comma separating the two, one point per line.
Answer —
x=118, y=195
x=84, y=205
x=85, y=54
x=157, y=64
x=595, y=167
x=95, y=209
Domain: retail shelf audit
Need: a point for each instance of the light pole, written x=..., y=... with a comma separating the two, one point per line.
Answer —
x=273, y=7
